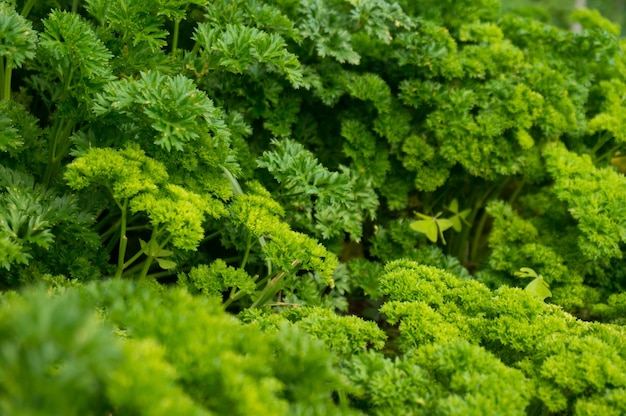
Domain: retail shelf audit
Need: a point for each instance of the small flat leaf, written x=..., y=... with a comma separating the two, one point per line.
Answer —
x=144, y=247
x=164, y=253
x=525, y=272
x=444, y=224
x=150, y=249
x=454, y=206
x=424, y=216
x=463, y=214
x=165, y=264
x=539, y=288
x=456, y=223
x=428, y=227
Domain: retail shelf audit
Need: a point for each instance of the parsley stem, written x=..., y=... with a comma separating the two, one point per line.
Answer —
x=160, y=274
x=269, y=291
x=123, y=242
x=146, y=265
x=27, y=7
x=211, y=236
x=59, y=146
x=2, y=72
x=175, y=36
x=247, y=252
x=602, y=140
x=145, y=268
x=6, y=87
x=133, y=259
x=238, y=191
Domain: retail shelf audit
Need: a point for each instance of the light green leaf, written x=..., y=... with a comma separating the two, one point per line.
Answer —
x=539, y=288
x=459, y=217
x=428, y=227
x=525, y=272
x=444, y=224
x=145, y=247
x=456, y=223
x=164, y=253
x=425, y=217
x=165, y=264
x=454, y=206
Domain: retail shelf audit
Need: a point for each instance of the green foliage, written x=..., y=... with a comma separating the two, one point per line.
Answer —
x=321, y=202
x=19, y=41
x=43, y=357
x=159, y=363
x=136, y=183
x=32, y=219
x=537, y=287
x=125, y=173
x=287, y=250
x=344, y=335
x=238, y=48
x=270, y=157
x=172, y=106
x=216, y=278
x=595, y=199
x=568, y=363
x=456, y=378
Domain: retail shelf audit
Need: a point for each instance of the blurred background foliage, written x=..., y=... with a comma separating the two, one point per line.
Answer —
x=558, y=12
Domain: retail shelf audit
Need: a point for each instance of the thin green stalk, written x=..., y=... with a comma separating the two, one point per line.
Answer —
x=130, y=271
x=59, y=146
x=270, y=290
x=74, y=6
x=246, y=254
x=61, y=131
x=138, y=227
x=27, y=7
x=602, y=140
x=493, y=190
x=123, y=242
x=196, y=47
x=606, y=156
x=211, y=236
x=112, y=243
x=234, y=296
x=232, y=259
x=263, y=281
x=238, y=191
x=462, y=241
x=150, y=259
x=175, y=36
x=106, y=220
x=272, y=287
x=163, y=273
x=6, y=87
x=516, y=192
x=112, y=229
x=478, y=231
x=133, y=259
x=2, y=72
x=146, y=267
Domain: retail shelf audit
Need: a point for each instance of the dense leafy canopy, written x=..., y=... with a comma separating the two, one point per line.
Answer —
x=310, y=207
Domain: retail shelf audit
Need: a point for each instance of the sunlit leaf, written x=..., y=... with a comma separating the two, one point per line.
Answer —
x=454, y=206
x=525, y=272
x=539, y=288
x=428, y=227
x=165, y=264
x=443, y=223
x=164, y=253
x=456, y=223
